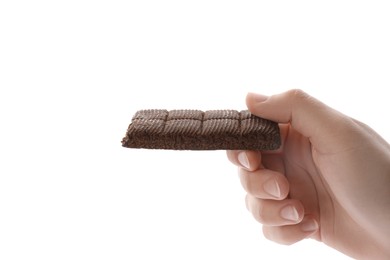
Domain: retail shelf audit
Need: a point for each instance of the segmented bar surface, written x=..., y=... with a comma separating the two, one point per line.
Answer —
x=198, y=130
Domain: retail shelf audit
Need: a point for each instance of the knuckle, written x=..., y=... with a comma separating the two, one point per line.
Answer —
x=297, y=97
x=297, y=94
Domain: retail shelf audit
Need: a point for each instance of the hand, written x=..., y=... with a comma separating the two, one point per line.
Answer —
x=330, y=180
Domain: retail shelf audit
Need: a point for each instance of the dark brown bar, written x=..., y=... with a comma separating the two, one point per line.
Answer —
x=198, y=130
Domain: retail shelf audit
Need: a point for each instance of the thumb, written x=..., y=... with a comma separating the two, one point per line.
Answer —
x=305, y=114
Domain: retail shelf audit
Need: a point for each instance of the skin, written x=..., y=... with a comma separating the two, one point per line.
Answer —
x=329, y=181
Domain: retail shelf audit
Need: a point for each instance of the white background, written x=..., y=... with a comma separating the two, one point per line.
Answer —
x=72, y=73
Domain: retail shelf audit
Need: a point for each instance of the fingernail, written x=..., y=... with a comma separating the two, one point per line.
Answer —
x=243, y=159
x=309, y=225
x=258, y=97
x=272, y=188
x=290, y=213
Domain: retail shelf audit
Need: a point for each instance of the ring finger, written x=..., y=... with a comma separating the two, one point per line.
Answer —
x=275, y=212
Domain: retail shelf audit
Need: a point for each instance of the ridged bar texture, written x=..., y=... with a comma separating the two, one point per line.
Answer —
x=198, y=130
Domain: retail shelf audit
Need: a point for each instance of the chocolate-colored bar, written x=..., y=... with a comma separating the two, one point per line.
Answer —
x=198, y=130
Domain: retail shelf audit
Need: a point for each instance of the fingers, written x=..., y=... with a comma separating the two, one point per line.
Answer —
x=264, y=184
x=283, y=221
x=294, y=106
x=275, y=213
x=252, y=174
x=306, y=114
x=290, y=234
x=250, y=160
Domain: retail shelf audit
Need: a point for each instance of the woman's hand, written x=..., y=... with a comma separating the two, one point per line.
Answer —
x=330, y=180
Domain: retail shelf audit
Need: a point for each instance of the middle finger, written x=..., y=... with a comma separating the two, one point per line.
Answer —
x=264, y=183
